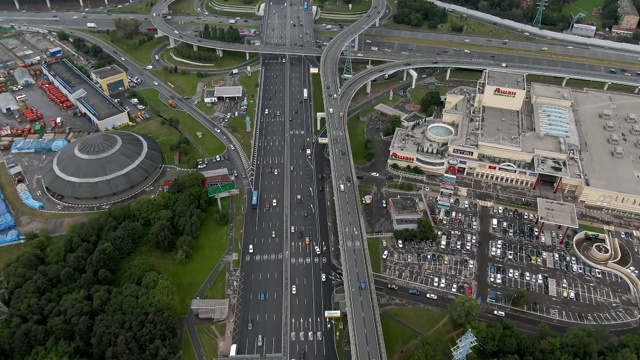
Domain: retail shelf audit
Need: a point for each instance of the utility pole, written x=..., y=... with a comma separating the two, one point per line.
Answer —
x=463, y=346
x=348, y=66
x=538, y=20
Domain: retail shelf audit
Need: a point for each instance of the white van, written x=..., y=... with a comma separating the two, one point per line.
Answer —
x=495, y=223
x=341, y=187
x=373, y=48
x=331, y=111
x=259, y=340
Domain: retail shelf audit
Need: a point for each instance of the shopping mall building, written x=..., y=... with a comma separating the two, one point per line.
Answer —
x=585, y=143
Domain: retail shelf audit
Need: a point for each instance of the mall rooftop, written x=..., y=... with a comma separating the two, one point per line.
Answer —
x=500, y=126
x=608, y=164
x=505, y=79
x=107, y=72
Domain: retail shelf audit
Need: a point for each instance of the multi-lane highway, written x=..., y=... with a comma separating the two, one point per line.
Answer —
x=284, y=292
x=362, y=309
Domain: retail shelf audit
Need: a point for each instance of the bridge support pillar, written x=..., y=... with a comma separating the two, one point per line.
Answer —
x=404, y=75
x=606, y=86
x=414, y=78
x=247, y=55
x=448, y=73
x=377, y=22
x=48, y=4
x=368, y=87
x=106, y=2
x=564, y=82
x=219, y=52
x=81, y=4
x=17, y=4
x=172, y=42
x=195, y=47
x=355, y=42
x=636, y=90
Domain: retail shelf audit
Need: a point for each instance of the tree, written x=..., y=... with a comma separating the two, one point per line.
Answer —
x=126, y=28
x=62, y=36
x=161, y=236
x=426, y=230
x=393, y=123
x=464, y=310
x=429, y=100
x=369, y=149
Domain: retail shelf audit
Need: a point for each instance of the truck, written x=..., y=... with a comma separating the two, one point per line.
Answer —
x=92, y=25
x=231, y=22
x=172, y=104
x=152, y=28
x=234, y=72
x=305, y=94
x=309, y=153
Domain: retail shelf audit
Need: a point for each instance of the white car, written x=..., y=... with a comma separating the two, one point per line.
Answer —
x=149, y=67
x=266, y=111
x=598, y=273
x=572, y=294
x=435, y=282
x=293, y=229
x=274, y=202
x=324, y=277
x=432, y=296
x=454, y=287
x=123, y=59
x=250, y=249
x=527, y=276
x=155, y=83
x=540, y=279
x=217, y=130
x=375, y=174
x=385, y=254
x=293, y=289
x=273, y=233
x=318, y=250
x=400, y=243
x=498, y=313
x=140, y=107
x=510, y=273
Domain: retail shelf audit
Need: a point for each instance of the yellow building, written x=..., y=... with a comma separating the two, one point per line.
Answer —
x=584, y=143
x=111, y=79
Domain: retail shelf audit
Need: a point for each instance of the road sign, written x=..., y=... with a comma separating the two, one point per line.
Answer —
x=332, y=314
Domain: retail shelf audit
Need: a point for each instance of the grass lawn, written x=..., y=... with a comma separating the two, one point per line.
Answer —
x=229, y=60
x=218, y=288
x=375, y=254
x=592, y=228
x=209, y=248
x=318, y=102
x=209, y=110
x=396, y=336
x=420, y=91
x=238, y=233
x=211, y=145
x=15, y=203
x=188, y=353
x=357, y=6
x=421, y=319
x=10, y=252
x=236, y=3
x=241, y=14
x=339, y=333
x=357, y=138
x=183, y=7
x=460, y=74
x=141, y=55
x=166, y=136
x=376, y=88
x=208, y=340
x=143, y=7
x=586, y=7
x=184, y=84
x=236, y=124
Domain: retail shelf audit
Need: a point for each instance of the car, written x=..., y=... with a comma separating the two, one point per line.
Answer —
x=307, y=240
x=250, y=324
x=572, y=294
x=274, y=202
x=432, y=296
x=275, y=171
x=217, y=130
x=392, y=287
x=385, y=254
x=375, y=174
x=510, y=273
x=323, y=277
x=149, y=67
x=317, y=250
x=293, y=229
x=565, y=293
x=414, y=292
x=384, y=203
x=293, y=289
x=498, y=313
x=400, y=243
x=273, y=233
x=250, y=249
x=267, y=207
x=598, y=273
x=539, y=278
x=263, y=296
x=155, y=83
x=454, y=287
x=363, y=285
x=123, y=59
x=527, y=276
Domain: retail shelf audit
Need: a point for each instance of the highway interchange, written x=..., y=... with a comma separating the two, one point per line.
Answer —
x=282, y=171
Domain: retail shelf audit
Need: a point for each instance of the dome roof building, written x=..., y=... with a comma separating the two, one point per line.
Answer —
x=103, y=167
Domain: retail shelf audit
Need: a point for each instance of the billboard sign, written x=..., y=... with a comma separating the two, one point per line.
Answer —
x=332, y=314
x=323, y=140
x=463, y=152
x=397, y=157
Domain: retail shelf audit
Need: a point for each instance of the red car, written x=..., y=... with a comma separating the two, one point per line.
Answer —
x=470, y=290
x=267, y=207
x=270, y=169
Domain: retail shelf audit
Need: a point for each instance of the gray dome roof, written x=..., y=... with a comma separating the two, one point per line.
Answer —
x=102, y=165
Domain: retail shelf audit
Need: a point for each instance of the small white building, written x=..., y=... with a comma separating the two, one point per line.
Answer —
x=8, y=103
x=223, y=93
x=584, y=30
x=23, y=77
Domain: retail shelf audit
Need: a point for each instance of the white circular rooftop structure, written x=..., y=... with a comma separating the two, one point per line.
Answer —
x=440, y=133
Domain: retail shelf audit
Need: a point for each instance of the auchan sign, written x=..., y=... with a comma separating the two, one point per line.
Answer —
x=506, y=93
x=398, y=157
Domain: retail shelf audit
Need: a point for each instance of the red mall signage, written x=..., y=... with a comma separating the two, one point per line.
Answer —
x=506, y=93
x=397, y=157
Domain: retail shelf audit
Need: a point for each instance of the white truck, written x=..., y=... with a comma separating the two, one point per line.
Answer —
x=231, y=22
x=92, y=25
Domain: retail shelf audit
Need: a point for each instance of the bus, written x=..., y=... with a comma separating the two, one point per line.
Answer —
x=305, y=94
x=254, y=199
x=306, y=5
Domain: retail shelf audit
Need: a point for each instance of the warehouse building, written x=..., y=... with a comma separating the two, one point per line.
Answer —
x=97, y=107
x=23, y=77
x=223, y=93
x=583, y=143
x=111, y=78
x=103, y=167
x=8, y=103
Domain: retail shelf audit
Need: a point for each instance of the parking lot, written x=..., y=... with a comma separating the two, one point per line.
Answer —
x=556, y=282
x=447, y=264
